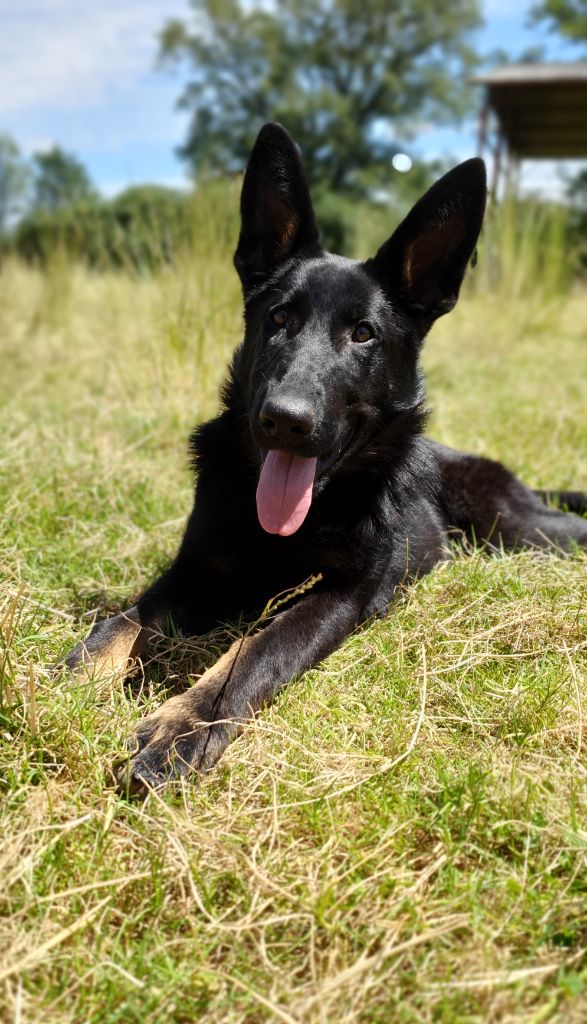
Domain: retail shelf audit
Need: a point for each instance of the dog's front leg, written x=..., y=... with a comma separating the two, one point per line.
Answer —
x=190, y=731
x=114, y=643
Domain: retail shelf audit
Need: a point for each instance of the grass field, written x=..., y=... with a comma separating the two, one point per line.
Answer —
x=402, y=837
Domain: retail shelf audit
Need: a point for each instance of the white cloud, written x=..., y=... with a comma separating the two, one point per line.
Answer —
x=548, y=178
x=72, y=54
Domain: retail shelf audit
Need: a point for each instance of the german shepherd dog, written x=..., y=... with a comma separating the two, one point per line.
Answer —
x=316, y=465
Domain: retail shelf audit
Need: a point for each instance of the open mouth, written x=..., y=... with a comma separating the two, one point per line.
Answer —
x=286, y=485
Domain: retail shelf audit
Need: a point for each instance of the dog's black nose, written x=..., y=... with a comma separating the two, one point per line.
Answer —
x=286, y=419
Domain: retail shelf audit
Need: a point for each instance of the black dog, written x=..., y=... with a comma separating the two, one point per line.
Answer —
x=322, y=424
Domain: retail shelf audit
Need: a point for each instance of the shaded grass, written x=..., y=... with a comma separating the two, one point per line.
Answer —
x=401, y=837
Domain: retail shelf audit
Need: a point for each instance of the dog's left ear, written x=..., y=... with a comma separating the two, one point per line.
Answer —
x=277, y=218
x=424, y=261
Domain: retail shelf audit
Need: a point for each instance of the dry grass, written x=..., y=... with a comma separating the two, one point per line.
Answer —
x=402, y=836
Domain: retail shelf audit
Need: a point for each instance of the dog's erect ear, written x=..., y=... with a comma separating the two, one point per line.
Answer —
x=277, y=219
x=424, y=261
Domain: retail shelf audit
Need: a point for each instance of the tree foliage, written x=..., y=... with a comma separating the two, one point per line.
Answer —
x=347, y=77
x=60, y=180
x=14, y=181
x=566, y=16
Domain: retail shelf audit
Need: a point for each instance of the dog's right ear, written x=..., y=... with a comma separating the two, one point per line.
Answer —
x=277, y=218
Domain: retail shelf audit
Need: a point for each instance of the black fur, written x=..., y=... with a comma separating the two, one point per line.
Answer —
x=385, y=500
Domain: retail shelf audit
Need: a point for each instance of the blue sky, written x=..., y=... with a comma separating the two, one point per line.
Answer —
x=82, y=73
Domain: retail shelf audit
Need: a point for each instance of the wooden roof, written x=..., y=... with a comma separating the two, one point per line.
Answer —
x=541, y=108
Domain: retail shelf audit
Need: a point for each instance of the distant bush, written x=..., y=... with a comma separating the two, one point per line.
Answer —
x=337, y=216
x=357, y=227
x=142, y=229
x=147, y=227
x=525, y=243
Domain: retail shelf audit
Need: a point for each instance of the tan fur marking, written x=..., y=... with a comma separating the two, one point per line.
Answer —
x=288, y=230
x=429, y=250
x=283, y=219
x=227, y=660
x=408, y=264
x=177, y=708
x=129, y=640
x=173, y=710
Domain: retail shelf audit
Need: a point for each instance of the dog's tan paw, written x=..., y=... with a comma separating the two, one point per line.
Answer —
x=111, y=646
x=173, y=742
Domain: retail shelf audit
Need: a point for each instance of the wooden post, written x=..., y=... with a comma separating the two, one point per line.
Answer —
x=483, y=122
x=512, y=175
x=497, y=156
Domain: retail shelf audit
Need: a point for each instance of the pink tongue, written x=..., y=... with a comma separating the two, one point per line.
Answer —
x=284, y=494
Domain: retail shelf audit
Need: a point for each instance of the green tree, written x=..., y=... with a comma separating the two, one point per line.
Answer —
x=348, y=78
x=568, y=17
x=60, y=180
x=14, y=181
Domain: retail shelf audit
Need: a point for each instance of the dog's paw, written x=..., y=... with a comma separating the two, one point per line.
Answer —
x=110, y=647
x=76, y=658
x=175, y=741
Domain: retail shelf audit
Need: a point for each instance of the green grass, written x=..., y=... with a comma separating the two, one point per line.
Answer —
x=402, y=837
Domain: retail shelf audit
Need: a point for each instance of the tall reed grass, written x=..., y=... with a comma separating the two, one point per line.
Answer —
x=526, y=253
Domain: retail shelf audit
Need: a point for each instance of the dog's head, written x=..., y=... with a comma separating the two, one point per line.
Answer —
x=331, y=345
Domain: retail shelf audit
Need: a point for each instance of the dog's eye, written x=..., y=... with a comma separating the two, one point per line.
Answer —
x=279, y=316
x=362, y=332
